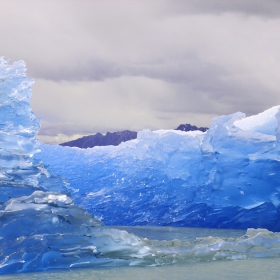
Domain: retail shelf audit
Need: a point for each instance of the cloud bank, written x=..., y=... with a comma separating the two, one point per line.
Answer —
x=114, y=65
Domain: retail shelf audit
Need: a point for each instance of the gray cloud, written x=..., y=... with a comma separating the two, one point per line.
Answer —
x=112, y=65
x=92, y=69
x=269, y=8
x=55, y=128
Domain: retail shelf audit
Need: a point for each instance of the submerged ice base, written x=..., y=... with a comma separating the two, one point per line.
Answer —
x=227, y=177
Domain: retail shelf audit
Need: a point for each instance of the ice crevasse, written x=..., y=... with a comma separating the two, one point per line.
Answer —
x=41, y=228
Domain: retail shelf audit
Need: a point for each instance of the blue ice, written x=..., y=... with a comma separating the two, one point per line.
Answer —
x=227, y=177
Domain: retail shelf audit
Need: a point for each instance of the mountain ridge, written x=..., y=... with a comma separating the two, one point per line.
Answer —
x=115, y=138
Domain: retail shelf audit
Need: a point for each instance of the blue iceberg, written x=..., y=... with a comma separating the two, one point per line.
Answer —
x=227, y=177
x=41, y=228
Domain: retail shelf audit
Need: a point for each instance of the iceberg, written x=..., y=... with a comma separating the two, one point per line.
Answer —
x=42, y=228
x=227, y=177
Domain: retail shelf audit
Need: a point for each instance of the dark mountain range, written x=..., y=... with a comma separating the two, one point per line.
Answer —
x=111, y=138
x=189, y=127
x=115, y=138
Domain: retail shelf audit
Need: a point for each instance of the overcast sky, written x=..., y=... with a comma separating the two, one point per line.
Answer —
x=113, y=65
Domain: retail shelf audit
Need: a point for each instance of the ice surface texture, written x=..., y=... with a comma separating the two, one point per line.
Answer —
x=227, y=177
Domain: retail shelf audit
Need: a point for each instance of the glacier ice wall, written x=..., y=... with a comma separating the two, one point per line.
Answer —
x=227, y=177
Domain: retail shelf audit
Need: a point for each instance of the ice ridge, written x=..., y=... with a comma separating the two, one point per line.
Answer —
x=227, y=177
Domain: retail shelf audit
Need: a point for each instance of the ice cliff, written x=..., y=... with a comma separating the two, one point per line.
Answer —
x=41, y=228
x=227, y=177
